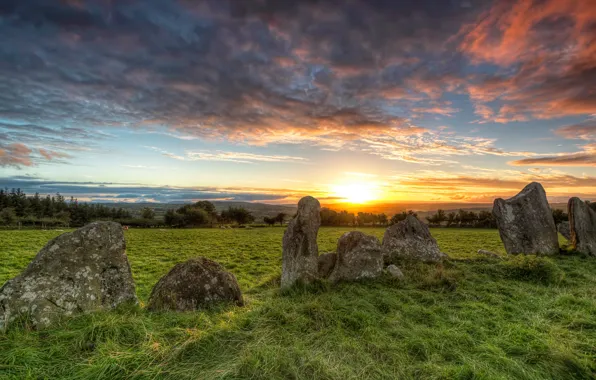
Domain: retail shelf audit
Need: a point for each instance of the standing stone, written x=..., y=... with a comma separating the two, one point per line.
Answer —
x=76, y=272
x=326, y=264
x=565, y=230
x=582, y=222
x=300, y=249
x=358, y=256
x=194, y=284
x=410, y=239
x=526, y=222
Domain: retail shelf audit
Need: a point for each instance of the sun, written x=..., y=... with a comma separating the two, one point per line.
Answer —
x=356, y=192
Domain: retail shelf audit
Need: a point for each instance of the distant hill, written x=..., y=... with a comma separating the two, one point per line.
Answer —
x=260, y=210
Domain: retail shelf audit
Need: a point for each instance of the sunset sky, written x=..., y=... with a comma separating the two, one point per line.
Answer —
x=377, y=100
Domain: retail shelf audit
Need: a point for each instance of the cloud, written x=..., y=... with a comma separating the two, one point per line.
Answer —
x=227, y=156
x=585, y=131
x=15, y=155
x=545, y=50
x=481, y=185
x=587, y=157
x=50, y=155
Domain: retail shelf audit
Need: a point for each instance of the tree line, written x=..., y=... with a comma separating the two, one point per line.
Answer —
x=52, y=211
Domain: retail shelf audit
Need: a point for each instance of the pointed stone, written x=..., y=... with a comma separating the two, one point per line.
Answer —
x=526, y=224
x=77, y=272
x=300, y=249
x=582, y=223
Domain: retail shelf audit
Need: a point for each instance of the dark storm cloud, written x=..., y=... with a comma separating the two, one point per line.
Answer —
x=219, y=69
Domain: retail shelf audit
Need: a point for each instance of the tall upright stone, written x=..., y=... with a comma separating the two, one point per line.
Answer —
x=410, y=240
x=582, y=225
x=77, y=272
x=526, y=224
x=300, y=249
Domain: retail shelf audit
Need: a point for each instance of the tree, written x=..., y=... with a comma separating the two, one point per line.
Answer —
x=279, y=218
x=8, y=216
x=269, y=221
x=147, y=213
x=559, y=216
x=237, y=214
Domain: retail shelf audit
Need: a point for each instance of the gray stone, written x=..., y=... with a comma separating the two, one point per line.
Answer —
x=582, y=222
x=565, y=230
x=195, y=284
x=484, y=252
x=80, y=271
x=526, y=224
x=326, y=264
x=395, y=272
x=359, y=256
x=410, y=239
x=300, y=249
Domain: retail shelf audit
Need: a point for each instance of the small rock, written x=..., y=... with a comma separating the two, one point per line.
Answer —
x=194, y=284
x=300, y=250
x=395, y=272
x=326, y=264
x=582, y=222
x=565, y=230
x=526, y=224
x=410, y=239
x=358, y=256
x=489, y=254
x=81, y=271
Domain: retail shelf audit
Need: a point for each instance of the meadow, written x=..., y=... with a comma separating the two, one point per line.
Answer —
x=470, y=318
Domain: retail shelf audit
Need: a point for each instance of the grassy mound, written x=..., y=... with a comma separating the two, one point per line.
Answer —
x=472, y=318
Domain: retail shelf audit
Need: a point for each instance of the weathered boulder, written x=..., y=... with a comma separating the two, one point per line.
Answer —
x=358, y=256
x=326, y=263
x=395, y=272
x=300, y=249
x=194, y=284
x=582, y=222
x=410, y=239
x=76, y=272
x=526, y=223
x=565, y=230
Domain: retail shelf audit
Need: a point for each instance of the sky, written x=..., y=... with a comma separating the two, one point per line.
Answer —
x=268, y=100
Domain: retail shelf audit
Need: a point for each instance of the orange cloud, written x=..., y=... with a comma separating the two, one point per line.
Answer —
x=15, y=155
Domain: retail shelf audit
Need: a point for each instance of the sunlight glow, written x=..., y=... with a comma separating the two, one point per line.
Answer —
x=356, y=192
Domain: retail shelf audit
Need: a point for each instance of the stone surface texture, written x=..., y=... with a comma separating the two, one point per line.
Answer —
x=358, y=256
x=526, y=224
x=410, y=239
x=582, y=222
x=77, y=272
x=300, y=249
x=195, y=284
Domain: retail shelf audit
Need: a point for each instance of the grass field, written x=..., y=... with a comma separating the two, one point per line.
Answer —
x=471, y=318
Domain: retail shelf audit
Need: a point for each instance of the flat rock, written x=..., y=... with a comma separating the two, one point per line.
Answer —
x=77, y=272
x=300, y=250
x=564, y=229
x=582, y=223
x=195, y=284
x=359, y=256
x=410, y=239
x=395, y=272
x=526, y=224
x=326, y=263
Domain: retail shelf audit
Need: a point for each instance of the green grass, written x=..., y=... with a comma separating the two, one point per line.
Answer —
x=472, y=318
